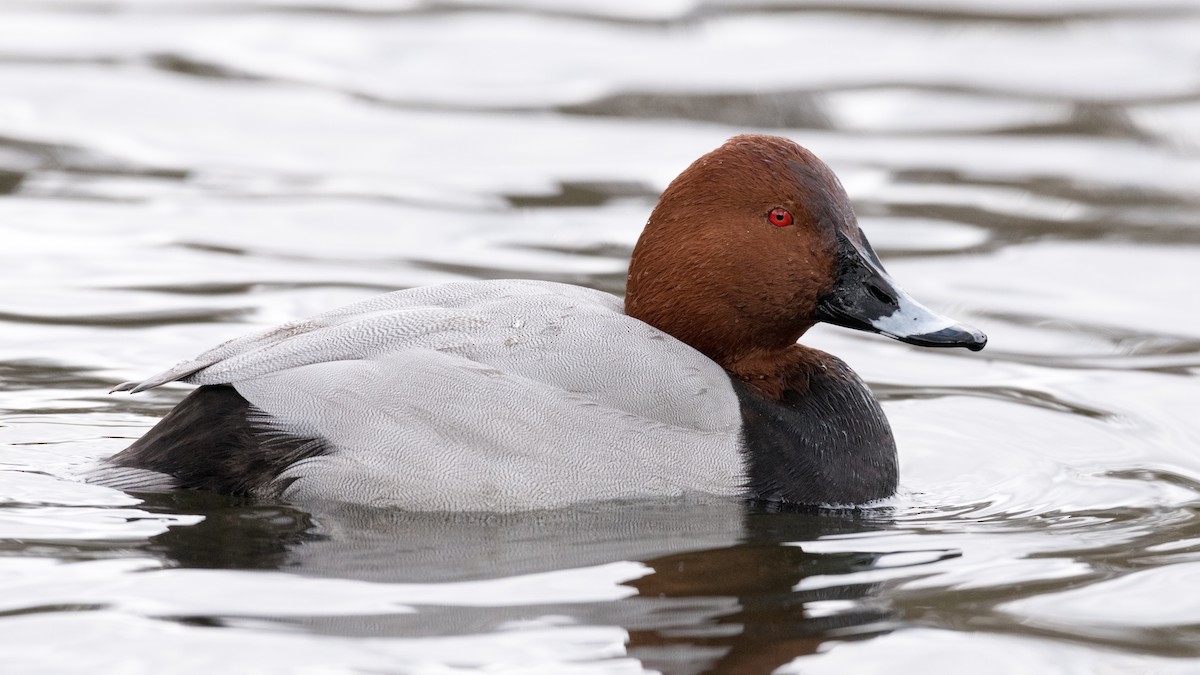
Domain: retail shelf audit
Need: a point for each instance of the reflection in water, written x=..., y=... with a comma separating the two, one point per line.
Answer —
x=770, y=622
x=719, y=578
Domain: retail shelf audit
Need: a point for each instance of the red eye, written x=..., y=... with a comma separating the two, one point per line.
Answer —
x=780, y=217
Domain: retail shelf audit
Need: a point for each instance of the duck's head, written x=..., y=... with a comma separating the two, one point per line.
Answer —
x=753, y=244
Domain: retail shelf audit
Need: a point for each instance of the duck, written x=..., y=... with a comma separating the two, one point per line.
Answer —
x=512, y=395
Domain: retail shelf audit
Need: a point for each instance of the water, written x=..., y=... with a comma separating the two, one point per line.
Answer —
x=178, y=173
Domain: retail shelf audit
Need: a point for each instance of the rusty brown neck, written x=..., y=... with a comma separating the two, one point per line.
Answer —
x=771, y=374
x=767, y=358
x=752, y=339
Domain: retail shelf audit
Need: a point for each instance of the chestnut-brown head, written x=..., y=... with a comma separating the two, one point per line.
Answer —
x=754, y=243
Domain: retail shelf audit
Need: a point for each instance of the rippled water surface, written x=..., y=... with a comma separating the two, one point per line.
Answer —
x=176, y=173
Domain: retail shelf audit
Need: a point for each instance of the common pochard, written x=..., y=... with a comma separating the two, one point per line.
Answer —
x=510, y=395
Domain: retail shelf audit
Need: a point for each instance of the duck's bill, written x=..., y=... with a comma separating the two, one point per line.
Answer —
x=865, y=298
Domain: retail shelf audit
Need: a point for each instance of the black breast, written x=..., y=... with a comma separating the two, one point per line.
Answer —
x=216, y=440
x=828, y=445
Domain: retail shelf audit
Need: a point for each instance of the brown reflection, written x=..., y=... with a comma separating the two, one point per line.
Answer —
x=768, y=625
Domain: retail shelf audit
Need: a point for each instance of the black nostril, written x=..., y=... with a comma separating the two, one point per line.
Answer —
x=881, y=295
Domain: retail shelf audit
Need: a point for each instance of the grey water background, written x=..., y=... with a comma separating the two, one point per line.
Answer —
x=177, y=173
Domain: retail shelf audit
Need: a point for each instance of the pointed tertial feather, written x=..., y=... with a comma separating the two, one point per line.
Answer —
x=177, y=372
x=247, y=343
x=371, y=316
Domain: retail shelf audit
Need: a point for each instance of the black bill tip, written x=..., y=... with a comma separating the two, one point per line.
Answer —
x=951, y=336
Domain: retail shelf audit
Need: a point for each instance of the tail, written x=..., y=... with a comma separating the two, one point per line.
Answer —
x=213, y=440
